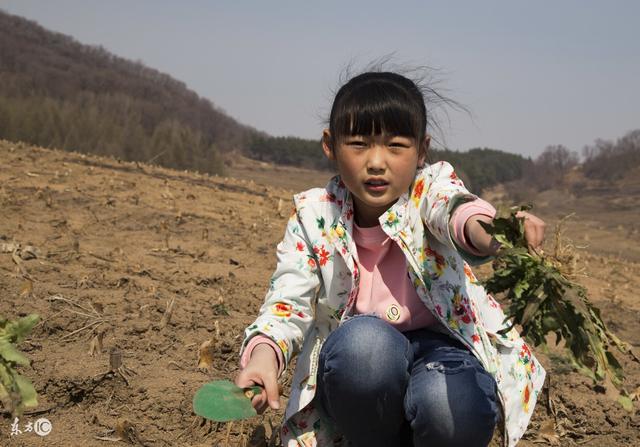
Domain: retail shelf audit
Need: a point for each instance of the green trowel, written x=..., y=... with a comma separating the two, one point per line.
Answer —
x=223, y=401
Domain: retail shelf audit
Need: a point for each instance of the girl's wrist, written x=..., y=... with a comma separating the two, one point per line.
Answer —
x=482, y=241
x=265, y=352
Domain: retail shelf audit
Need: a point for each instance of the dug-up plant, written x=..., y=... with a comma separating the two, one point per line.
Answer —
x=544, y=298
x=16, y=392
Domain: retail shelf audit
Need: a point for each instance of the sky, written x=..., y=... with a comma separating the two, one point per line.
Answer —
x=532, y=74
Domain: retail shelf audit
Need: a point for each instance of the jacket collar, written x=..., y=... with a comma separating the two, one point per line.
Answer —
x=391, y=221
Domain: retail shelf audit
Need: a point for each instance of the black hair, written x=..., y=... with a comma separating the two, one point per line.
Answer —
x=391, y=99
x=378, y=102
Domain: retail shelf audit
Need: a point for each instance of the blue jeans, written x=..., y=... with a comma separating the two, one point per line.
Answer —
x=382, y=387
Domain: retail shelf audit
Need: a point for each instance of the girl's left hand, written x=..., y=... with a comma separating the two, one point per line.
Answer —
x=533, y=230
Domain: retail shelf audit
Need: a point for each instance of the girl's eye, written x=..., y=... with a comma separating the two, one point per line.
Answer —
x=356, y=143
x=399, y=144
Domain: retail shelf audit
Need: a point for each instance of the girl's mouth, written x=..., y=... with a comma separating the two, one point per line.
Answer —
x=376, y=185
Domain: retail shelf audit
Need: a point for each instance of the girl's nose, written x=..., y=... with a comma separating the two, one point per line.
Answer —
x=376, y=160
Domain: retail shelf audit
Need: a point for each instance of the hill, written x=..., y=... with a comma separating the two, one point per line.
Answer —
x=56, y=92
x=147, y=263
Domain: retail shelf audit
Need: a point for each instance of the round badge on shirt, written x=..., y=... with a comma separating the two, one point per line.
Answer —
x=393, y=312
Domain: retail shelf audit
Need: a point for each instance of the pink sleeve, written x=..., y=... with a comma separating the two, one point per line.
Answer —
x=255, y=341
x=460, y=216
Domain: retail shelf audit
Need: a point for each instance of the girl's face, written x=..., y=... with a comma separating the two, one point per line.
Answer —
x=377, y=169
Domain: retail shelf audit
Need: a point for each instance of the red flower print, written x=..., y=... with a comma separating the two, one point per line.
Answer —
x=349, y=213
x=469, y=273
x=453, y=176
x=311, y=262
x=440, y=262
x=324, y=256
x=475, y=338
x=282, y=309
x=300, y=246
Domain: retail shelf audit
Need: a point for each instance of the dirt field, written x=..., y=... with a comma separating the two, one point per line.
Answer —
x=118, y=244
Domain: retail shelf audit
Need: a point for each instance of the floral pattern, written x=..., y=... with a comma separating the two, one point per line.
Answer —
x=315, y=286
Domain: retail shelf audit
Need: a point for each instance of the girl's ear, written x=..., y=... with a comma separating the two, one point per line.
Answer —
x=423, y=150
x=327, y=146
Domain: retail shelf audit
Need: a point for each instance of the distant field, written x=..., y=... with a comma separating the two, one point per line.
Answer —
x=287, y=177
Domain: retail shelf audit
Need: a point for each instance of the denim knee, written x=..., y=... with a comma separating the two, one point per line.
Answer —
x=362, y=379
x=367, y=350
x=451, y=401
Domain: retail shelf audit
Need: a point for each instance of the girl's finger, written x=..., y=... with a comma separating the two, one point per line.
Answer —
x=273, y=395
x=259, y=402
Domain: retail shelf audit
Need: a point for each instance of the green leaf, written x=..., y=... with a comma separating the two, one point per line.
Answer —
x=543, y=300
x=626, y=403
x=23, y=326
x=11, y=354
x=28, y=395
x=223, y=401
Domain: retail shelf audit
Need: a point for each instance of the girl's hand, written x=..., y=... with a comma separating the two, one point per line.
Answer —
x=533, y=232
x=262, y=370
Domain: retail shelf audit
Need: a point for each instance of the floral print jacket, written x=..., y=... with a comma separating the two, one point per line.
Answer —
x=316, y=280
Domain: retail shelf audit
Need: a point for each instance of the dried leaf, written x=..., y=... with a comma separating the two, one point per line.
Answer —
x=8, y=248
x=205, y=355
x=548, y=433
x=29, y=252
x=26, y=289
x=126, y=431
x=166, y=318
x=95, y=347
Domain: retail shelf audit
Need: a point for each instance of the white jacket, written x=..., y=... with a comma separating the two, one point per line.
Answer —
x=316, y=282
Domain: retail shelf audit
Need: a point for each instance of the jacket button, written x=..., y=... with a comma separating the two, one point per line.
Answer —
x=393, y=312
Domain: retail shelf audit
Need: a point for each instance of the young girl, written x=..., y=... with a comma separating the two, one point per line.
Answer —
x=397, y=343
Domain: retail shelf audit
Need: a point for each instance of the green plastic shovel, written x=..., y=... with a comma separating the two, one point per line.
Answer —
x=223, y=401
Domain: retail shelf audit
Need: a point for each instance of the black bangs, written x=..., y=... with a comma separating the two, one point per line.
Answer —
x=378, y=104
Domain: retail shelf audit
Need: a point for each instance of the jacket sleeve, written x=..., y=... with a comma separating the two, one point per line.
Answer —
x=444, y=192
x=287, y=313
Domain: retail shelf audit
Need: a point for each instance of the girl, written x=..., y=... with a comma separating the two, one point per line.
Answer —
x=397, y=343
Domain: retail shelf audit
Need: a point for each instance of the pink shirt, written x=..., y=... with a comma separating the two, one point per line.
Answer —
x=385, y=287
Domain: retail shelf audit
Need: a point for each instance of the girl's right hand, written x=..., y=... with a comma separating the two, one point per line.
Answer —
x=262, y=370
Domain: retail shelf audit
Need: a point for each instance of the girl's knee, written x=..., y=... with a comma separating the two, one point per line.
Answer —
x=367, y=353
x=368, y=337
x=452, y=402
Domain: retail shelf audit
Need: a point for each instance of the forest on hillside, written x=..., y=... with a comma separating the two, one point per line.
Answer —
x=56, y=92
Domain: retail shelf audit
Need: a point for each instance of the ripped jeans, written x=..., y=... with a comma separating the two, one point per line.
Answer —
x=382, y=387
